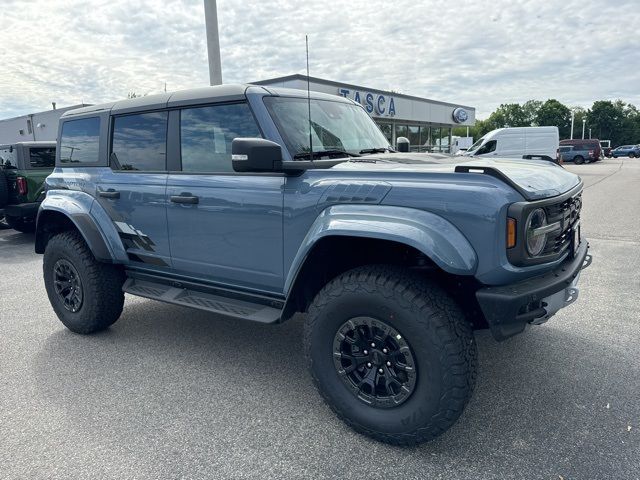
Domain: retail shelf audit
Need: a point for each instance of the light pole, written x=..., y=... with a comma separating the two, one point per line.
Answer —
x=573, y=114
x=589, y=134
x=213, y=42
x=584, y=121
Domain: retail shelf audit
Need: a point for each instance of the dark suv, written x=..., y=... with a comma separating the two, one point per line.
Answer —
x=586, y=151
x=258, y=203
x=23, y=169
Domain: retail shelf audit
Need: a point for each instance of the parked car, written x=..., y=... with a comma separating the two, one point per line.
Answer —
x=578, y=154
x=23, y=168
x=631, y=151
x=586, y=145
x=218, y=199
x=517, y=143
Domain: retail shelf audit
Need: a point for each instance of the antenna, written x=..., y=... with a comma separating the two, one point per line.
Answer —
x=306, y=39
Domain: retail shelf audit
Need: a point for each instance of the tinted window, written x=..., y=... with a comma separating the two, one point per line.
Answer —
x=79, y=141
x=8, y=157
x=488, y=147
x=206, y=134
x=42, y=157
x=140, y=142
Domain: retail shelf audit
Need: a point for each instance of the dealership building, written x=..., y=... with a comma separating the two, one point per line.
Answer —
x=426, y=123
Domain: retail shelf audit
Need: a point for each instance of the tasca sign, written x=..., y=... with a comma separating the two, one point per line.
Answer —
x=374, y=103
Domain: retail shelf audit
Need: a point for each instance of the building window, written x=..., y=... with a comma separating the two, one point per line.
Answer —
x=402, y=131
x=414, y=137
x=140, y=142
x=206, y=134
x=79, y=140
x=387, y=130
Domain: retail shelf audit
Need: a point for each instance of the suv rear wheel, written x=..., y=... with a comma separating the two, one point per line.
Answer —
x=578, y=160
x=632, y=155
x=85, y=294
x=391, y=353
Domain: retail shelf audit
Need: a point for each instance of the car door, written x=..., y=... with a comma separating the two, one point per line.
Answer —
x=133, y=189
x=224, y=227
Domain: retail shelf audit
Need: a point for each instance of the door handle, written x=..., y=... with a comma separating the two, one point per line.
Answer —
x=185, y=199
x=109, y=193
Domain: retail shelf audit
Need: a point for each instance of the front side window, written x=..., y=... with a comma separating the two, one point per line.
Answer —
x=206, y=134
x=334, y=125
x=42, y=157
x=139, y=142
x=79, y=141
x=488, y=147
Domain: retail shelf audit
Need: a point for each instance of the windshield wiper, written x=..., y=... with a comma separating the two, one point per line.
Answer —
x=324, y=153
x=378, y=150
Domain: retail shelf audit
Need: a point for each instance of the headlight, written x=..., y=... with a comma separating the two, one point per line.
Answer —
x=536, y=236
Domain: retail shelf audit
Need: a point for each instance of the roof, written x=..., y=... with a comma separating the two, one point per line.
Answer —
x=33, y=143
x=192, y=96
x=298, y=76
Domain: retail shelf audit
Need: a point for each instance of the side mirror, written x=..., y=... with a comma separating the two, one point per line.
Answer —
x=255, y=155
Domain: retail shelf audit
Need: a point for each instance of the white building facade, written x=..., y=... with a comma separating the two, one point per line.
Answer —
x=33, y=127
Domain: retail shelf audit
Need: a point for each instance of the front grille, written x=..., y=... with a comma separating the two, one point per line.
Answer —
x=567, y=213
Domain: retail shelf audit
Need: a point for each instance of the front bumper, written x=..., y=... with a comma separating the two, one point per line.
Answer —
x=22, y=210
x=509, y=308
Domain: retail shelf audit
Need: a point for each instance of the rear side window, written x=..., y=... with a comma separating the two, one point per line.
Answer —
x=139, y=142
x=42, y=157
x=8, y=157
x=79, y=141
x=206, y=134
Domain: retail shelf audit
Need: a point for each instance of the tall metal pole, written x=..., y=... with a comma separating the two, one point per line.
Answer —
x=573, y=114
x=584, y=122
x=213, y=42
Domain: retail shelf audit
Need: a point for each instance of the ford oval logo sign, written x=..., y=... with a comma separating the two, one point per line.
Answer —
x=460, y=115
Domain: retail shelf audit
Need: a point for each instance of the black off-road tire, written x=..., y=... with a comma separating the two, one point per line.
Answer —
x=4, y=189
x=20, y=224
x=578, y=160
x=101, y=283
x=436, y=330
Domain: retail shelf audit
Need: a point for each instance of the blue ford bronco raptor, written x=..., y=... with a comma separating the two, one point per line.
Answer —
x=258, y=203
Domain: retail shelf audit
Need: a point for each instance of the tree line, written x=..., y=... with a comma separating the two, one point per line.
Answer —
x=616, y=121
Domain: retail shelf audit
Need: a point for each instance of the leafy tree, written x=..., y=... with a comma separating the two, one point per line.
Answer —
x=605, y=120
x=554, y=113
x=530, y=110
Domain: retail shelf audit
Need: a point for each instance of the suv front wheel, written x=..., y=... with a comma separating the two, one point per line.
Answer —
x=86, y=294
x=391, y=353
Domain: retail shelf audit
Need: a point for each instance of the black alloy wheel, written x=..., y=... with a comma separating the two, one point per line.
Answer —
x=67, y=285
x=375, y=362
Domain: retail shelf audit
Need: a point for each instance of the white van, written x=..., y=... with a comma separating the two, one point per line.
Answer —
x=517, y=143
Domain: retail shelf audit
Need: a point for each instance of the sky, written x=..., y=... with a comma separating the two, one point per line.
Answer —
x=476, y=53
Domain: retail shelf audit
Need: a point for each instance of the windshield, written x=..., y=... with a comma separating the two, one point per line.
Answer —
x=475, y=146
x=335, y=126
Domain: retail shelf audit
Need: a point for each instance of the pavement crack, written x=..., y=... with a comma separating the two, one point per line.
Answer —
x=604, y=178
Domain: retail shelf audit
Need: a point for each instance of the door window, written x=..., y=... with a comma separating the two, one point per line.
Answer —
x=42, y=157
x=488, y=147
x=79, y=141
x=206, y=134
x=140, y=142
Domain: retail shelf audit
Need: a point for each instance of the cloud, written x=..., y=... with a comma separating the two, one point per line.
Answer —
x=479, y=53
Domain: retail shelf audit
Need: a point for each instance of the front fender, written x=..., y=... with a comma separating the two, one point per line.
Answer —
x=90, y=220
x=431, y=234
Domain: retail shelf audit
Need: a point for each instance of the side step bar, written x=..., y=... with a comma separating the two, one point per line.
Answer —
x=209, y=302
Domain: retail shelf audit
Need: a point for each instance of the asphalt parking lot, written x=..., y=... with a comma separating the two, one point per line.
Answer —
x=169, y=392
